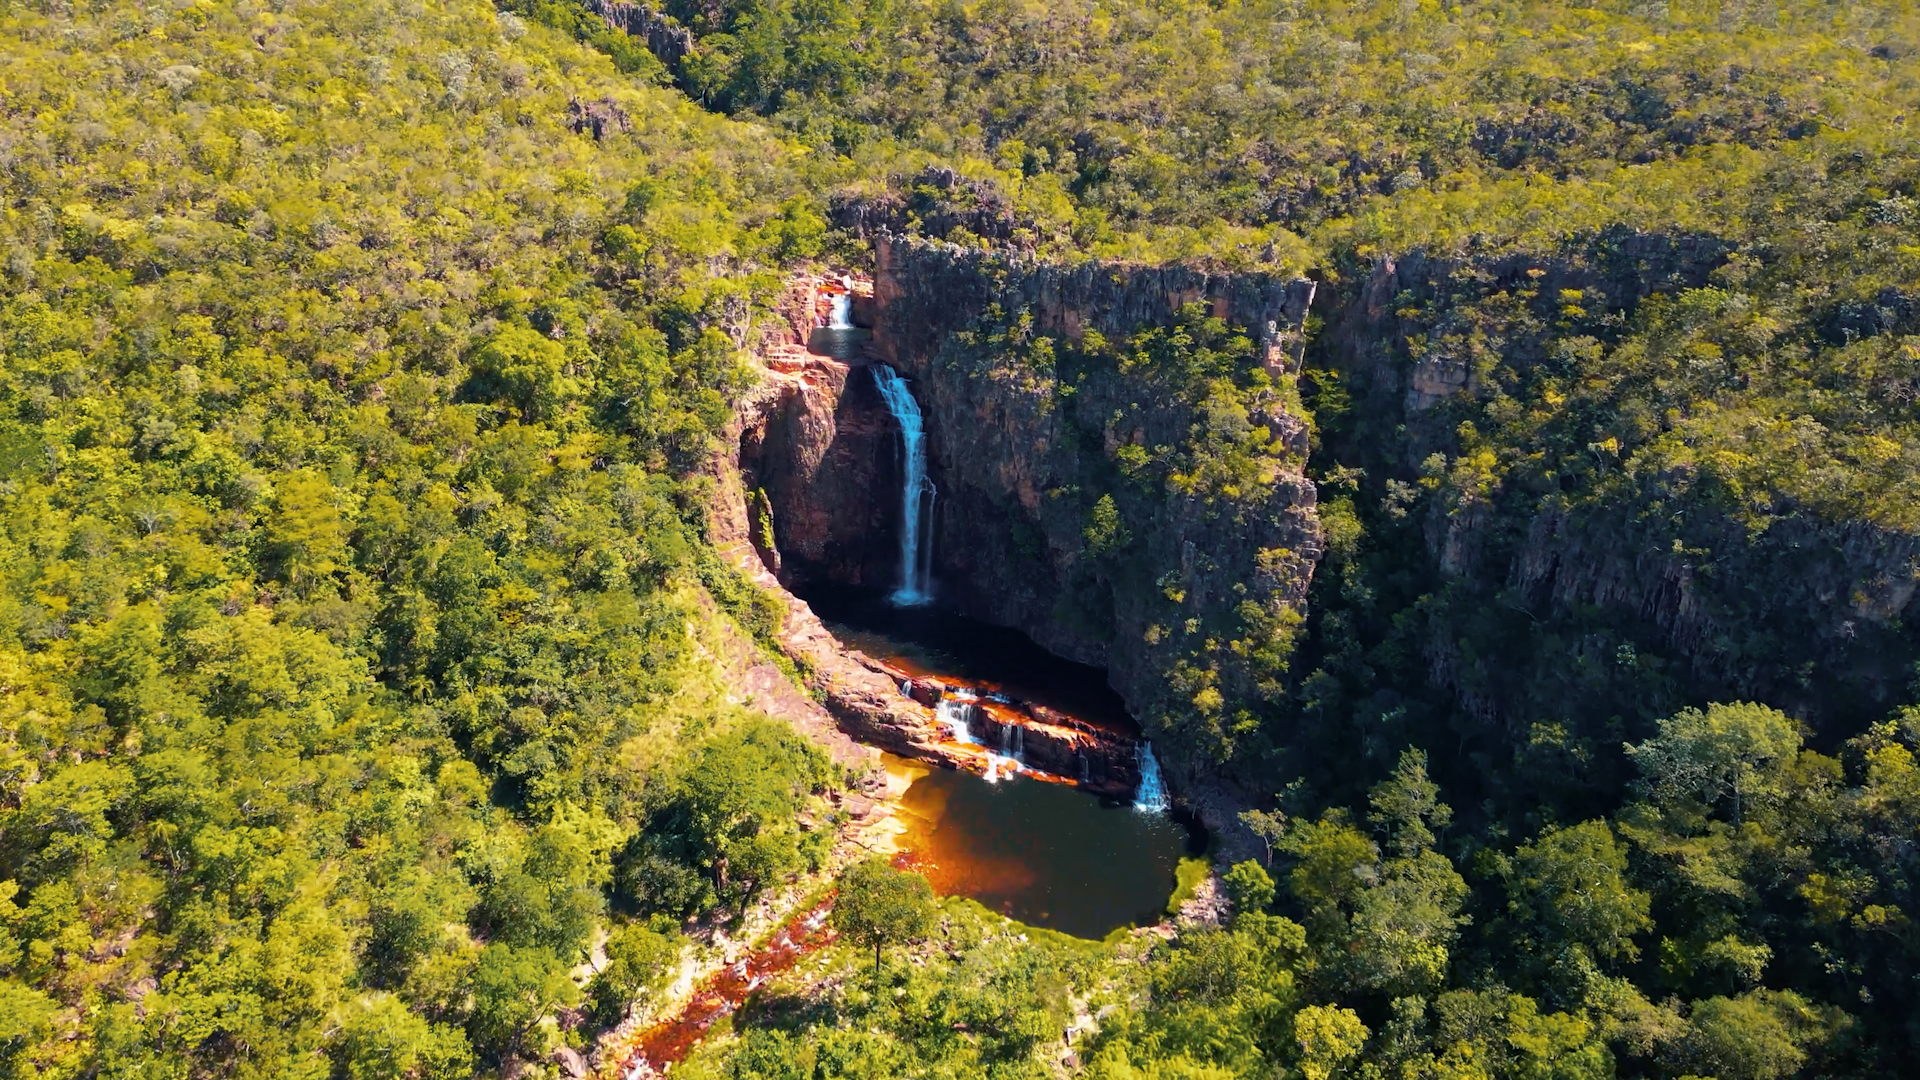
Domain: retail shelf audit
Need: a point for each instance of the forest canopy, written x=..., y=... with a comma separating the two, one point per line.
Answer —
x=368, y=672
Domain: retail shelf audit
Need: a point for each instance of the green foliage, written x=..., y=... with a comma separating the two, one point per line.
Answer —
x=878, y=905
x=356, y=362
x=1757, y=1036
x=641, y=958
x=381, y=1039
x=1188, y=875
x=512, y=989
x=1573, y=883
x=1188, y=423
x=1328, y=1038
x=1251, y=888
x=1724, y=754
x=1105, y=533
x=351, y=594
x=738, y=818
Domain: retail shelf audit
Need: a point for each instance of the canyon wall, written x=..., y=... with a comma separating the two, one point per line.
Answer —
x=1122, y=478
x=1048, y=442
x=807, y=476
x=1620, y=593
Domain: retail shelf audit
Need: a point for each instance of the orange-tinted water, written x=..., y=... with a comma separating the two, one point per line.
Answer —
x=1046, y=854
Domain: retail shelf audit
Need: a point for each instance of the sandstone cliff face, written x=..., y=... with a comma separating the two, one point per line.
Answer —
x=1019, y=475
x=827, y=458
x=814, y=439
x=665, y=38
x=1806, y=614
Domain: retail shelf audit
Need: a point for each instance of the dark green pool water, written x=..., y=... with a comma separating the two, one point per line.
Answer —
x=1046, y=854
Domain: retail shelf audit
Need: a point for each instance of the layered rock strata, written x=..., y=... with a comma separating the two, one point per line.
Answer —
x=814, y=426
x=1016, y=479
x=1020, y=475
x=1807, y=614
x=664, y=37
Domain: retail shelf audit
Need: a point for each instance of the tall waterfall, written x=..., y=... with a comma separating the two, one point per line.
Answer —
x=916, y=503
x=1152, y=795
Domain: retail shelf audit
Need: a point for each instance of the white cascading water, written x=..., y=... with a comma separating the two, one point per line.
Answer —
x=1013, y=743
x=916, y=555
x=1152, y=794
x=841, y=317
x=955, y=712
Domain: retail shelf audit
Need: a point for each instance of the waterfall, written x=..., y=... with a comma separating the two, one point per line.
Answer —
x=841, y=318
x=1013, y=743
x=1152, y=795
x=958, y=714
x=916, y=556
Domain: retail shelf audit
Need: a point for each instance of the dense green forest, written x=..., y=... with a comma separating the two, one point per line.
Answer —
x=364, y=660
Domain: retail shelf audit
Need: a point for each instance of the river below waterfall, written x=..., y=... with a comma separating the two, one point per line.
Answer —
x=1031, y=847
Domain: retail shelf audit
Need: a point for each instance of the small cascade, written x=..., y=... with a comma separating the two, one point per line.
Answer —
x=1013, y=743
x=1152, y=794
x=957, y=713
x=841, y=317
x=916, y=509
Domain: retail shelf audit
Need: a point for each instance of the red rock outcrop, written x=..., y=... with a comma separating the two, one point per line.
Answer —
x=820, y=442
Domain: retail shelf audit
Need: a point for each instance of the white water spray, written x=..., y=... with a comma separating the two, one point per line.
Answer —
x=1152, y=794
x=841, y=317
x=916, y=503
x=956, y=713
x=1013, y=743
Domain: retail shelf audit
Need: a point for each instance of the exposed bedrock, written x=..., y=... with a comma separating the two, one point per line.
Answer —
x=1018, y=475
x=1016, y=478
x=1811, y=614
x=808, y=478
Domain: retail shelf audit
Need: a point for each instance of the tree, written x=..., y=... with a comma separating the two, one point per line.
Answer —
x=1250, y=887
x=512, y=989
x=1380, y=924
x=1571, y=885
x=305, y=531
x=732, y=819
x=879, y=905
x=1407, y=805
x=1269, y=826
x=640, y=957
x=1757, y=1036
x=1328, y=1037
x=26, y=1018
x=381, y=1039
x=1729, y=752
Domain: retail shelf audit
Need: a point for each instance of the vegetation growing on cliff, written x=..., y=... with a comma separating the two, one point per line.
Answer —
x=1176, y=426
